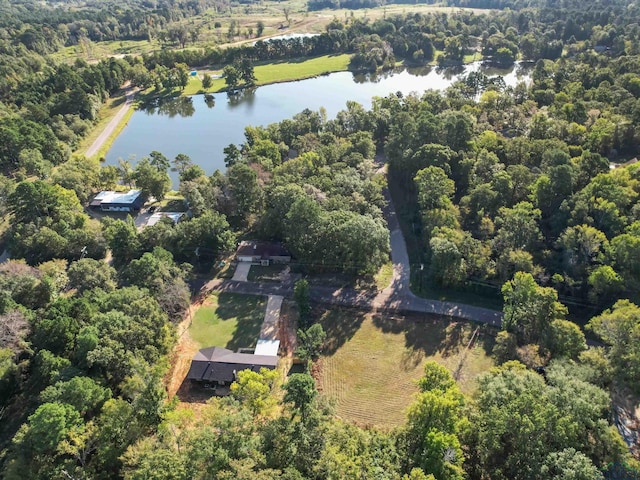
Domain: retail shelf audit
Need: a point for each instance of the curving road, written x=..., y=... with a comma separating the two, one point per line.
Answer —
x=396, y=297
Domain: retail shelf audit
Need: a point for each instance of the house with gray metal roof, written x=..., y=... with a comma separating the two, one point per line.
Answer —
x=110, y=201
x=216, y=366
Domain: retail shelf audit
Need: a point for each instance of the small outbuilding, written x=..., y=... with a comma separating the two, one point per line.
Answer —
x=218, y=367
x=110, y=201
x=267, y=347
x=263, y=253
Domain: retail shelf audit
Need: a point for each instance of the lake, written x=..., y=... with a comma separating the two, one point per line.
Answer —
x=201, y=129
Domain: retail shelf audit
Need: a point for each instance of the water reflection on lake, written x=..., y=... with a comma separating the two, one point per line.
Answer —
x=202, y=125
x=170, y=106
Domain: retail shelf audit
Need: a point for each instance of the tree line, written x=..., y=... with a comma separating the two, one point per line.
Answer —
x=510, y=186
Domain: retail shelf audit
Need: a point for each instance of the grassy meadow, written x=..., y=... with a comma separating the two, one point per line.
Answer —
x=228, y=320
x=371, y=362
x=276, y=72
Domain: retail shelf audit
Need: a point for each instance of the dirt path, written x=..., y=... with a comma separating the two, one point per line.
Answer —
x=113, y=124
x=183, y=352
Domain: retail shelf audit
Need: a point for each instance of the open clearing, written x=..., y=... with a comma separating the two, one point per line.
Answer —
x=276, y=72
x=371, y=361
x=228, y=320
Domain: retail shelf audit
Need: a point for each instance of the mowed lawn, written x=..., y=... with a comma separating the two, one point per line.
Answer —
x=282, y=71
x=228, y=320
x=371, y=362
x=303, y=68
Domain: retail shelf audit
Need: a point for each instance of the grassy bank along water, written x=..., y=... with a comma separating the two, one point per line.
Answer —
x=109, y=110
x=284, y=71
x=276, y=72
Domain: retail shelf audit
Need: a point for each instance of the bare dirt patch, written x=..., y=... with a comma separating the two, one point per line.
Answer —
x=288, y=329
x=183, y=352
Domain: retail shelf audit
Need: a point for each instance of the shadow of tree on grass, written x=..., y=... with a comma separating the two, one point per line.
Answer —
x=487, y=339
x=423, y=333
x=340, y=325
x=249, y=311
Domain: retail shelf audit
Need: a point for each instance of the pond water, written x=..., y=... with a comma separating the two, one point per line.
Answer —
x=201, y=128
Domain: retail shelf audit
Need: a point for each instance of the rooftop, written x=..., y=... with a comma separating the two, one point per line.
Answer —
x=109, y=196
x=267, y=347
x=262, y=249
x=219, y=364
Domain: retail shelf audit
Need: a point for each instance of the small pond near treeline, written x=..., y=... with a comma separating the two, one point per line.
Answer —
x=201, y=128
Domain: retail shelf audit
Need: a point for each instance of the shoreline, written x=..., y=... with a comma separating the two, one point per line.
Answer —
x=115, y=127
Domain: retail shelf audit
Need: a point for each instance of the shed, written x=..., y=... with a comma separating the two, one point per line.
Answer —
x=267, y=347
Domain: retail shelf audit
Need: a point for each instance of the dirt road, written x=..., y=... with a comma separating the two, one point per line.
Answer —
x=113, y=124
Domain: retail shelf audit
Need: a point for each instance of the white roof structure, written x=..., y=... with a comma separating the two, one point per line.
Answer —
x=109, y=196
x=267, y=347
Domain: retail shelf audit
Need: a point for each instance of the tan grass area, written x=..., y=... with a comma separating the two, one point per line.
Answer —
x=372, y=362
x=183, y=352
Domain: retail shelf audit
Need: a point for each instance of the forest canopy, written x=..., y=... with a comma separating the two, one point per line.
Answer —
x=528, y=194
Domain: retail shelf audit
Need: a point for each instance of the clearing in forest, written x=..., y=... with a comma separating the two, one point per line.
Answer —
x=371, y=361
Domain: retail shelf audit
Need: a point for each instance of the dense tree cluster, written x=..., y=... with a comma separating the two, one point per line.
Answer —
x=520, y=180
x=325, y=203
x=45, y=27
x=509, y=186
x=89, y=364
x=517, y=427
x=46, y=110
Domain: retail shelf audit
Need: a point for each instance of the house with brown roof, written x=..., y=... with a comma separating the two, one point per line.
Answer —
x=218, y=367
x=263, y=253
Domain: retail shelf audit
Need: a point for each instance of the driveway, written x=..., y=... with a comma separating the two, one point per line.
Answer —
x=269, y=330
x=396, y=297
x=242, y=272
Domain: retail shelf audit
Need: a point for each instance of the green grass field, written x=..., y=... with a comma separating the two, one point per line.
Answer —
x=371, y=362
x=286, y=71
x=228, y=320
x=277, y=72
x=95, y=51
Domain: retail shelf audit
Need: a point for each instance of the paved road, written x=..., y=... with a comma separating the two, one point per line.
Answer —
x=396, y=297
x=113, y=124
